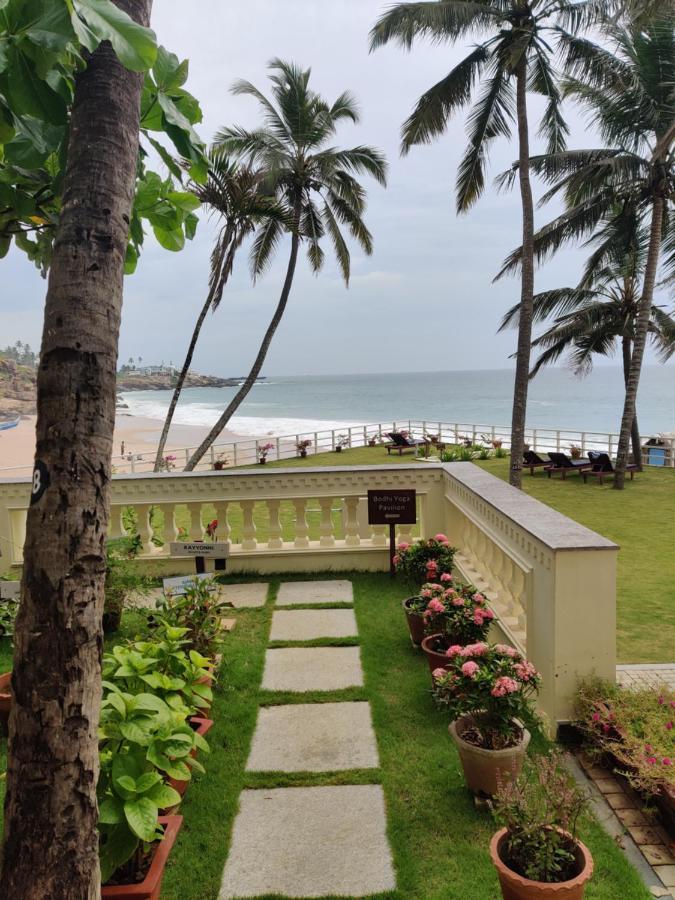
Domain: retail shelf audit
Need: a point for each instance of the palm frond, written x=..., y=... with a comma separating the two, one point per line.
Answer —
x=264, y=245
x=542, y=80
x=339, y=243
x=440, y=21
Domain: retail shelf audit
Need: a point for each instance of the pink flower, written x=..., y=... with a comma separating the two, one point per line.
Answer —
x=403, y=546
x=470, y=668
x=441, y=538
x=606, y=728
x=479, y=599
x=478, y=618
x=596, y=717
x=454, y=650
x=504, y=685
x=672, y=704
x=488, y=614
x=396, y=559
x=458, y=601
x=669, y=725
x=425, y=592
x=661, y=700
x=479, y=649
x=446, y=576
x=525, y=670
x=438, y=673
x=667, y=761
x=436, y=606
x=651, y=760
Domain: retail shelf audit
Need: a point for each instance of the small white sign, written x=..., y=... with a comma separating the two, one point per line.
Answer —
x=177, y=585
x=9, y=590
x=207, y=549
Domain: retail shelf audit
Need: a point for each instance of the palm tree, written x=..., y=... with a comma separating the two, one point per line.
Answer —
x=238, y=196
x=602, y=310
x=629, y=91
x=516, y=50
x=314, y=183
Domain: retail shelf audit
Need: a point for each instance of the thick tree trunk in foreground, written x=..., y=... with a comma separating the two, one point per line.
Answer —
x=522, y=378
x=216, y=284
x=635, y=431
x=243, y=391
x=50, y=849
x=639, y=341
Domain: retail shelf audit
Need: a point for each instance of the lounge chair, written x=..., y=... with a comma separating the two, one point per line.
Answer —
x=532, y=461
x=402, y=442
x=602, y=467
x=560, y=462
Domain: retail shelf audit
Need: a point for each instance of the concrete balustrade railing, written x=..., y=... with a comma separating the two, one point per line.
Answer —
x=550, y=581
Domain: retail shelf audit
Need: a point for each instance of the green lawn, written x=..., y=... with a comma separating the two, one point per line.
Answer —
x=438, y=838
x=641, y=519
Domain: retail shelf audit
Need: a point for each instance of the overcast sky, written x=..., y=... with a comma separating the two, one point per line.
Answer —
x=423, y=301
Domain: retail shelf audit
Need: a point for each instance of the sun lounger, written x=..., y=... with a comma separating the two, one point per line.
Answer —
x=602, y=467
x=560, y=462
x=402, y=442
x=532, y=461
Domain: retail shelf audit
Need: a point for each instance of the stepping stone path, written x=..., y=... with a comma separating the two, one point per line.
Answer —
x=323, y=840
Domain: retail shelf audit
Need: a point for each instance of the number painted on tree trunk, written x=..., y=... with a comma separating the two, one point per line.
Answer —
x=40, y=481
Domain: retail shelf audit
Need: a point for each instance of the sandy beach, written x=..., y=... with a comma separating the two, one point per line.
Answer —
x=135, y=435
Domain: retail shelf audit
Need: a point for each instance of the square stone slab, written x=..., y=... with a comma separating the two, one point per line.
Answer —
x=308, y=624
x=310, y=842
x=313, y=737
x=305, y=592
x=244, y=596
x=144, y=599
x=312, y=669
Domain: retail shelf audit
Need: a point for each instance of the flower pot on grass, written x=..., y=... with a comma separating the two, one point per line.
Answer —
x=484, y=769
x=151, y=886
x=415, y=621
x=434, y=647
x=202, y=727
x=517, y=887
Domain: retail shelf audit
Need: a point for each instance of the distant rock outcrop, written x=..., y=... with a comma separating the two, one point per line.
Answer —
x=17, y=389
x=130, y=381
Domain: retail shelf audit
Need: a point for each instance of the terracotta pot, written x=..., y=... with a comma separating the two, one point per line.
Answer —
x=415, y=623
x=515, y=887
x=303, y=454
x=5, y=700
x=481, y=766
x=150, y=887
x=434, y=659
x=201, y=726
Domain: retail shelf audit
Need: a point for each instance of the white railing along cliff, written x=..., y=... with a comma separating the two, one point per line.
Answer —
x=550, y=581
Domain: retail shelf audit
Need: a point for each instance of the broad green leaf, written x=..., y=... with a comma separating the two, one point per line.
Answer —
x=141, y=815
x=169, y=73
x=101, y=20
x=131, y=260
x=173, y=240
x=5, y=243
x=164, y=796
x=201, y=742
x=195, y=764
x=117, y=847
x=117, y=702
x=126, y=764
x=146, y=781
x=179, y=744
x=52, y=29
x=28, y=94
x=191, y=223
x=186, y=202
x=125, y=785
x=133, y=732
x=174, y=116
x=166, y=158
x=110, y=811
x=173, y=768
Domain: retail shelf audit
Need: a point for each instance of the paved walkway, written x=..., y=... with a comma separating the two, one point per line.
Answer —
x=311, y=841
x=646, y=675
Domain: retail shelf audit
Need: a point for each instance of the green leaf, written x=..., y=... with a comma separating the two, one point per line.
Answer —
x=173, y=240
x=164, y=796
x=130, y=260
x=166, y=158
x=191, y=223
x=141, y=815
x=146, y=781
x=183, y=200
x=52, y=29
x=100, y=20
x=5, y=243
x=110, y=811
x=170, y=74
x=28, y=94
x=200, y=741
x=133, y=732
x=125, y=785
x=118, y=846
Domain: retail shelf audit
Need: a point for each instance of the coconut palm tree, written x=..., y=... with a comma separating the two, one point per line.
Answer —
x=602, y=310
x=513, y=59
x=629, y=92
x=313, y=181
x=237, y=195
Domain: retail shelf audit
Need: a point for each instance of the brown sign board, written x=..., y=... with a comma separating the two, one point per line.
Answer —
x=395, y=507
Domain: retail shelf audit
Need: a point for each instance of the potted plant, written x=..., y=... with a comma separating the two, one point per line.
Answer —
x=456, y=615
x=302, y=446
x=424, y=560
x=575, y=452
x=373, y=441
x=537, y=852
x=341, y=441
x=197, y=610
x=488, y=691
x=497, y=443
x=415, y=607
x=263, y=450
x=152, y=860
x=220, y=462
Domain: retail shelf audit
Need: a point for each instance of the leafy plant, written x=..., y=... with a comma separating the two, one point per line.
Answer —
x=121, y=579
x=460, y=613
x=424, y=560
x=143, y=742
x=197, y=610
x=540, y=811
x=9, y=607
x=495, y=683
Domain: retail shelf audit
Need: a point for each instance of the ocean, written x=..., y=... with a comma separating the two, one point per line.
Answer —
x=284, y=405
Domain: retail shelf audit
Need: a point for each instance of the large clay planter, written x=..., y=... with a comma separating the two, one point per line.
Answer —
x=515, y=887
x=151, y=886
x=415, y=623
x=5, y=700
x=201, y=726
x=481, y=767
x=434, y=659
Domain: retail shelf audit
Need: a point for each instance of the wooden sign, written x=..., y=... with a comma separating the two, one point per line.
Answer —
x=207, y=549
x=392, y=507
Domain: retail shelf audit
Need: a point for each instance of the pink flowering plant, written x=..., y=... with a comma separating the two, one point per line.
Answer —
x=425, y=560
x=633, y=728
x=458, y=612
x=494, y=682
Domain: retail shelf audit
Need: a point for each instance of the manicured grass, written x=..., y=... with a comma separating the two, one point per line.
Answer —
x=641, y=519
x=438, y=838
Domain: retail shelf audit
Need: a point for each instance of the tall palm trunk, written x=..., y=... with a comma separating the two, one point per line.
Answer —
x=213, y=290
x=639, y=341
x=527, y=283
x=243, y=391
x=50, y=849
x=635, y=431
